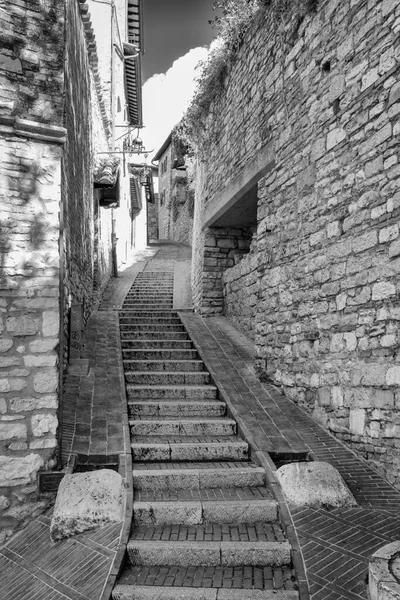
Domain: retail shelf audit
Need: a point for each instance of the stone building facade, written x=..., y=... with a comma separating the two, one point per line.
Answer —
x=176, y=193
x=60, y=102
x=297, y=215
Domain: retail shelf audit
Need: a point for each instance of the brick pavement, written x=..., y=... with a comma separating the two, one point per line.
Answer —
x=336, y=544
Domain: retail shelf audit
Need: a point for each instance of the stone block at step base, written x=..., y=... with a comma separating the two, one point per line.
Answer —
x=85, y=501
x=196, y=513
x=171, y=408
x=314, y=484
x=128, y=592
x=208, y=554
x=167, y=513
x=193, y=452
x=193, y=479
x=228, y=450
x=189, y=392
x=183, y=427
x=243, y=511
x=232, y=594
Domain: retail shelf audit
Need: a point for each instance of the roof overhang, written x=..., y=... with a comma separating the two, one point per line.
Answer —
x=133, y=64
x=106, y=172
x=163, y=148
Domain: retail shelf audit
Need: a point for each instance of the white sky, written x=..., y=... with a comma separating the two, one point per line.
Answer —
x=166, y=96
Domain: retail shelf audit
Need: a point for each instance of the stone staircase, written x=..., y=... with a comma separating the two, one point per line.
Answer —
x=205, y=524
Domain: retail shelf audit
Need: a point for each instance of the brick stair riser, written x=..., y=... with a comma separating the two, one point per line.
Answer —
x=134, y=344
x=202, y=513
x=154, y=335
x=207, y=554
x=159, y=355
x=171, y=392
x=126, y=592
x=153, y=327
x=176, y=409
x=189, y=452
x=201, y=378
x=183, y=428
x=187, y=366
x=197, y=479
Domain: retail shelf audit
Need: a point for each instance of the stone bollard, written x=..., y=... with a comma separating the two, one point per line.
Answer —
x=384, y=573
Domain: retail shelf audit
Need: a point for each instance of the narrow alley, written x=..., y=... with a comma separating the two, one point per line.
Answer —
x=197, y=438
x=199, y=300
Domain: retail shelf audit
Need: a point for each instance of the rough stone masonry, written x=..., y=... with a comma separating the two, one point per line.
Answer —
x=321, y=280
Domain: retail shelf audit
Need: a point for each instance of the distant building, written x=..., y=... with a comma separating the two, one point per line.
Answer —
x=176, y=192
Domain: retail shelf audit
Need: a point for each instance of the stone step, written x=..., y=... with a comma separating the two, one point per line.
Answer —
x=153, y=327
x=152, y=286
x=132, y=296
x=199, y=512
x=140, y=305
x=159, y=448
x=148, y=303
x=147, y=592
x=149, y=354
x=153, y=314
x=183, y=366
x=195, y=476
x=167, y=378
x=147, y=289
x=172, y=408
x=156, y=277
x=134, y=319
x=230, y=554
x=151, y=283
x=142, y=344
x=154, y=335
x=172, y=392
x=148, y=426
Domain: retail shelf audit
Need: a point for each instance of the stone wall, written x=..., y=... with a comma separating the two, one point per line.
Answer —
x=223, y=248
x=326, y=106
x=78, y=166
x=164, y=191
x=31, y=138
x=241, y=291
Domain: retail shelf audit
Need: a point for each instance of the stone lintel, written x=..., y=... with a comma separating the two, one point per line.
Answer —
x=259, y=166
x=32, y=129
